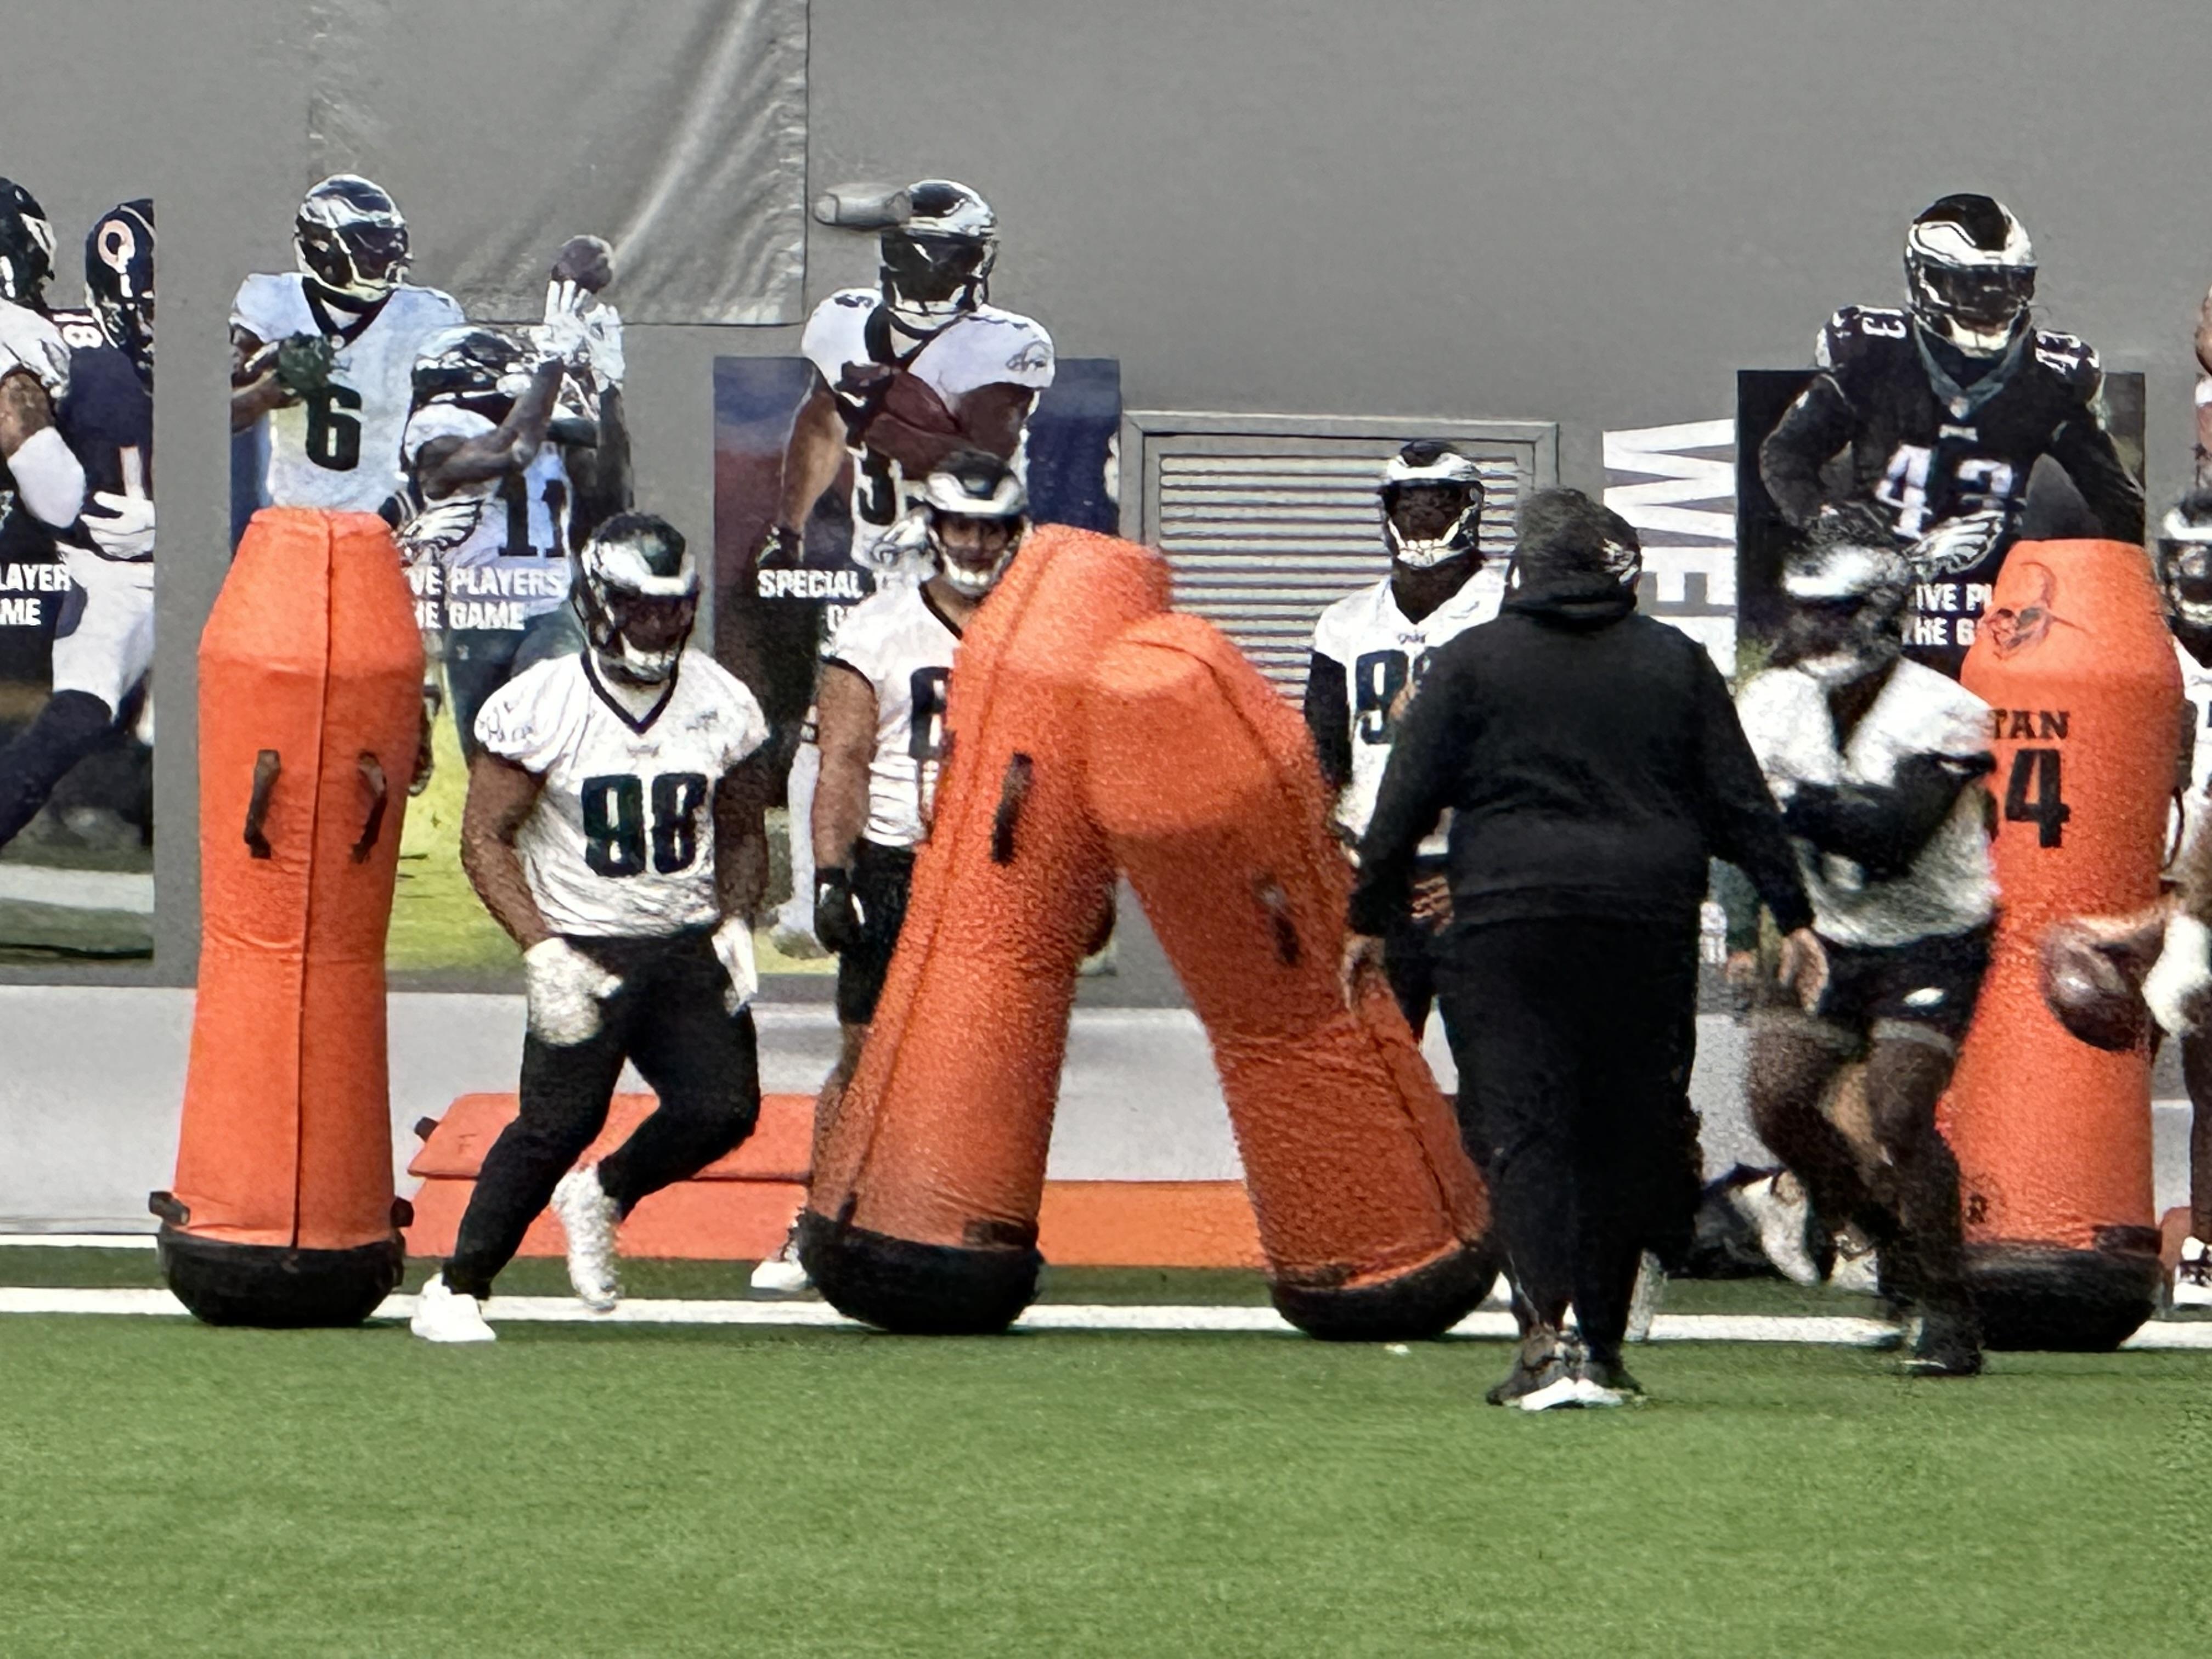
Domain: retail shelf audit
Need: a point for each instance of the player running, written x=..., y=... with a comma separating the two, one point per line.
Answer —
x=1876, y=762
x=881, y=720
x=590, y=836
x=906, y=375
x=326, y=354
x=1944, y=409
x=1370, y=649
x=101, y=432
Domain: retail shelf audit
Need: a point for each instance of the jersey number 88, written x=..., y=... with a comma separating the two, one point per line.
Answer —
x=615, y=830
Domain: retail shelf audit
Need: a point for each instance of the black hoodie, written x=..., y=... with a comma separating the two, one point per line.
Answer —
x=1591, y=759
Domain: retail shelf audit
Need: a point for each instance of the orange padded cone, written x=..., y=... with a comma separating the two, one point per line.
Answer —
x=1370, y=1211
x=309, y=709
x=2053, y=1137
x=922, y=1216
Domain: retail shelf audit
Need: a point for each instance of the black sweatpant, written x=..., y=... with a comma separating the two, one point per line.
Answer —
x=1574, y=1038
x=702, y=1062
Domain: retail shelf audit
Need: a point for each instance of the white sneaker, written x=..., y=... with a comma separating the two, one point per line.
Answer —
x=1644, y=1301
x=1778, y=1211
x=587, y=1217
x=443, y=1315
x=1858, y=1267
x=782, y=1275
x=2192, y=1277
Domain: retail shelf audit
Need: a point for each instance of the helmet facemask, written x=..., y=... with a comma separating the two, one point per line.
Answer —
x=929, y=279
x=1427, y=524
x=972, y=551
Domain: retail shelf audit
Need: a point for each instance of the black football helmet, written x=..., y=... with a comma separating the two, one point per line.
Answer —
x=27, y=246
x=635, y=588
x=1969, y=272
x=118, y=280
x=350, y=238
x=937, y=261
x=2184, y=556
x=1448, y=519
x=473, y=365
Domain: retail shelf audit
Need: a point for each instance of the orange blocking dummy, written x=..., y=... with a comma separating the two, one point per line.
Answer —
x=2053, y=1136
x=1204, y=778
x=310, y=708
x=922, y=1214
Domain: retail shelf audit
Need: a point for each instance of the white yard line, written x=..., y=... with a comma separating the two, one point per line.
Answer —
x=79, y=889
x=1055, y=1317
x=76, y=1241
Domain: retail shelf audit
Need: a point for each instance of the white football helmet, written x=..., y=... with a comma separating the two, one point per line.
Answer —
x=1451, y=481
x=1847, y=590
x=937, y=260
x=2184, y=564
x=349, y=237
x=973, y=486
x=636, y=591
x=1969, y=272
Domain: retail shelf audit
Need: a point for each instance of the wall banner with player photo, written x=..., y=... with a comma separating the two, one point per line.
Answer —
x=775, y=603
x=76, y=582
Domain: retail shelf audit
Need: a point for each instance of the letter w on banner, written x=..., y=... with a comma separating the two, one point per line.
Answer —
x=1676, y=484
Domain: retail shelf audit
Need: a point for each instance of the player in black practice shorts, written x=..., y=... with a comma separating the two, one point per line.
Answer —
x=1944, y=409
x=880, y=721
x=590, y=835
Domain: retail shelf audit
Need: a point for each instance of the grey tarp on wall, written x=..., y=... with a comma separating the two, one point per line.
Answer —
x=676, y=129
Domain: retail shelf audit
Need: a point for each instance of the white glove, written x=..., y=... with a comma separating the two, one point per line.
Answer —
x=2176, y=986
x=733, y=944
x=1956, y=544
x=122, y=525
x=604, y=342
x=564, y=334
x=565, y=988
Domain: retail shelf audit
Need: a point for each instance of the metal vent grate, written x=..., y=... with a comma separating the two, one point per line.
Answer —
x=1264, y=530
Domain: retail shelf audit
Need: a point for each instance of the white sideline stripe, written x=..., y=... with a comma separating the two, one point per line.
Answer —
x=76, y=1241
x=1050, y=1316
x=79, y=889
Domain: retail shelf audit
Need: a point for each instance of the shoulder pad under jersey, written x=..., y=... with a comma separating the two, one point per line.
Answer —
x=2069, y=357
x=834, y=335
x=29, y=341
x=1856, y=334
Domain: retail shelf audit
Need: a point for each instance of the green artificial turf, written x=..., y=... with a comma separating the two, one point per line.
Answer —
x=172, y=1489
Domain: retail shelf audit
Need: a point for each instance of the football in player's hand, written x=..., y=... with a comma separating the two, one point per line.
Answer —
x=586, y=261
x=912, y=401
x=2092, y=983
x=303, y=363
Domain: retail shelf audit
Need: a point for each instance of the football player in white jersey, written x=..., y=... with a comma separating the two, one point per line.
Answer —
x=906, y=373
x=1877, y=763
x=590, y=835
x=324, y=353
x=1371, y=647
x=42, y=475
x=881, y=731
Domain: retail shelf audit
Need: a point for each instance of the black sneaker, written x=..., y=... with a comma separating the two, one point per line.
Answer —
x=1608, y=1376
x=1948, y=1344
x=1542, y=1362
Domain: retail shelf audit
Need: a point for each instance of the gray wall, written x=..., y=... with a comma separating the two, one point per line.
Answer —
x=1593, y=211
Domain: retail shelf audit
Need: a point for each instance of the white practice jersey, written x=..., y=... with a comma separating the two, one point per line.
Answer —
x=30, y=342
x=2197, y=800
x=503, y=542
x=900, y=643
x=340, y=448
x=622, y=841
x=983, y=347
x=1384, y=656
x=1952, y=886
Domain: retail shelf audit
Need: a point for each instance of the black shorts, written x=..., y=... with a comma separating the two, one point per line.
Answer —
x=881, y=877
x=1931, y=983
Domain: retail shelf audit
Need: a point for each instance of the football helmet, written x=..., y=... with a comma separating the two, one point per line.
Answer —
x=937, y=261
x=2184, y=566
x=1847, y=589
x=473, y=364
x=635, y=589
x=349, y=237
x=1432, y=497
x=27, y=246
x=1969, y=272
x=976, y=511
x=118, y=280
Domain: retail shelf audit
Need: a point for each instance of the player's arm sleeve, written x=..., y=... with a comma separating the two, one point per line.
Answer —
x=1427, y=755
x=1741, y=824
x=2084, y=447
x=1739, y=901
x=1883, y=827
x=1328, y=718
x=1811, y=430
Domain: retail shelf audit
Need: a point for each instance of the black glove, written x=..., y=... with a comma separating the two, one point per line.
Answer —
x=836, y=914
x=303, y=363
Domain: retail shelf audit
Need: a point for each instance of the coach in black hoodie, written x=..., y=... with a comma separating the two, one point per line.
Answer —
x=1592, y=761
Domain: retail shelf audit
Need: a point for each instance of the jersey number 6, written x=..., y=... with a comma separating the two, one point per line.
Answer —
x=615, y=828
x=333, y=435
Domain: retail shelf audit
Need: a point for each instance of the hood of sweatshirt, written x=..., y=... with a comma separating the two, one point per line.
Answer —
x=1569, y=596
